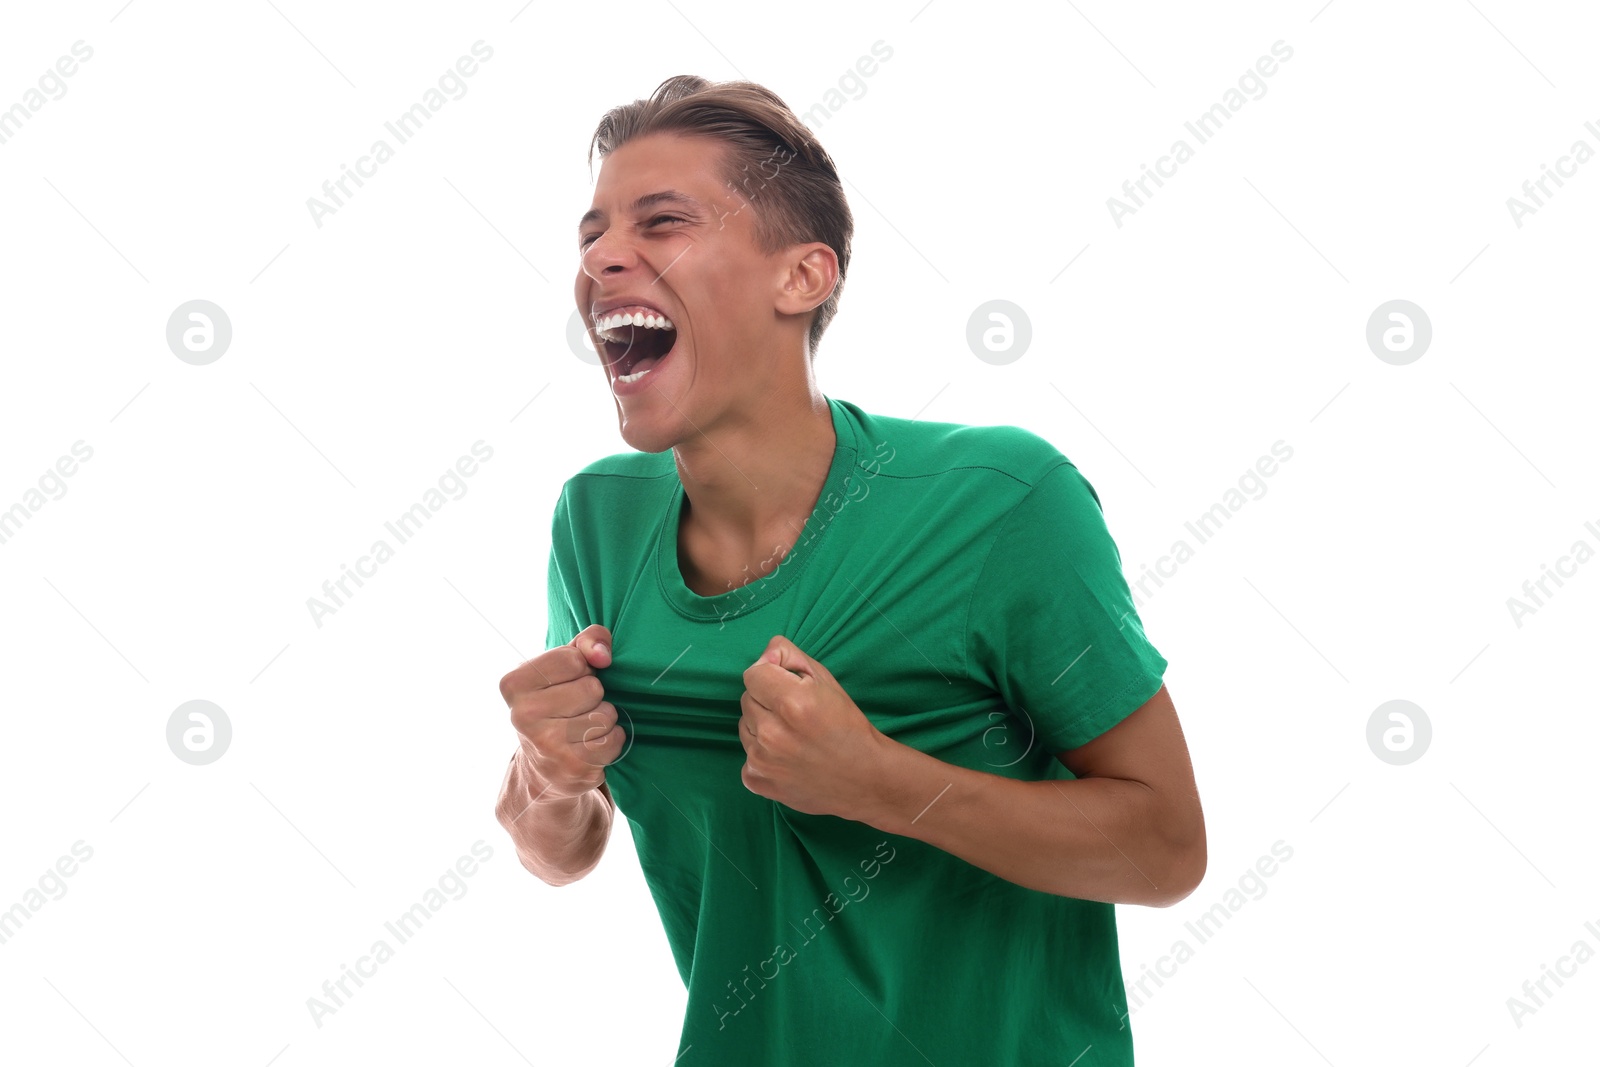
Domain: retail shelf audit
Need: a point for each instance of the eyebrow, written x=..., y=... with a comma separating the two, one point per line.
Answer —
x=665, y=196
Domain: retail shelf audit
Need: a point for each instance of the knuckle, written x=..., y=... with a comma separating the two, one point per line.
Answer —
x=531, y=716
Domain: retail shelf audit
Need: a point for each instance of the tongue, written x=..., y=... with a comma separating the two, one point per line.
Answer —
x=644, y=364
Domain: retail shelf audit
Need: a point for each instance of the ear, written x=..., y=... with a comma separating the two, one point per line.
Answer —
x=810, y=272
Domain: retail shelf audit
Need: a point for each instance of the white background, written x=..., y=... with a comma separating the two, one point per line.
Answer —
x=429, y=312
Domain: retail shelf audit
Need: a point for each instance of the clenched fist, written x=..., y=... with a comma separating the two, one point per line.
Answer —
x=568, y=730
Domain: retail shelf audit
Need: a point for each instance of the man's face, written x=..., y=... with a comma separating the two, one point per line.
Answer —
x=687, y=252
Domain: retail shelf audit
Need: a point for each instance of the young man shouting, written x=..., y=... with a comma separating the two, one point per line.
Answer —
x=871, y=691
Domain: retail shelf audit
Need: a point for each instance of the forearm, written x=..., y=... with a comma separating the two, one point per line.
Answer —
x=1092, y=838
x=558, y=841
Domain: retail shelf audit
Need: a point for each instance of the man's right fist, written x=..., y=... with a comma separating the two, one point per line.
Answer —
x=568, y=730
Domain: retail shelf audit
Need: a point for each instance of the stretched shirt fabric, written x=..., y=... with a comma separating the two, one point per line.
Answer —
x=962, y=586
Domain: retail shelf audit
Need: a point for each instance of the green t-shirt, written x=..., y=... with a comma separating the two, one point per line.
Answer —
x=962, y=586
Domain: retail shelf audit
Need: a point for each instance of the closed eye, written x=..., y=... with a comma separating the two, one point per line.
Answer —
x=655, y=219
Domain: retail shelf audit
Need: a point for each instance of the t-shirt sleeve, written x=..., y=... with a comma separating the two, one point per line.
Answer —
x=560, y=579
x=1051, y=625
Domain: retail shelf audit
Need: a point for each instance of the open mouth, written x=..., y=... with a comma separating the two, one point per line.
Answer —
x=634, y=339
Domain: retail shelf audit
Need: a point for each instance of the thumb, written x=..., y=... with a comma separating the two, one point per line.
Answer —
x=786, y=654
x=595, y=644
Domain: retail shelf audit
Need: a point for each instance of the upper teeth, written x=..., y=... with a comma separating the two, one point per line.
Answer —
x=648, y=320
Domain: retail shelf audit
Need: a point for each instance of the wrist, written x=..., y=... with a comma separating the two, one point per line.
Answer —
x=885, y=800
x=536, y=786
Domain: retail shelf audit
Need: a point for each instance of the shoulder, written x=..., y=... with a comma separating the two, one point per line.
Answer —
x=618, y=474
x=614, y=493
x=626, y=465
x=996, y=455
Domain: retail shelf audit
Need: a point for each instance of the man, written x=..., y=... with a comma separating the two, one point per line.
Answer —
x=871, y=691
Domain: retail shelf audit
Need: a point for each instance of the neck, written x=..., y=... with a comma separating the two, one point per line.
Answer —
x=756, y=474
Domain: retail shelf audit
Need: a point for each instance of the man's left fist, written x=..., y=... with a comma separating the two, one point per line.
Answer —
x=806, y=743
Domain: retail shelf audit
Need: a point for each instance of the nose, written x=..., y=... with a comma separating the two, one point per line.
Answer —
x=609, y=253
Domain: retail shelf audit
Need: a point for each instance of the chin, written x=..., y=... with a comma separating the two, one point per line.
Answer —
x=643, y=435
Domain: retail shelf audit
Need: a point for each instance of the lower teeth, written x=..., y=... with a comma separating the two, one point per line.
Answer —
x=647, y=364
